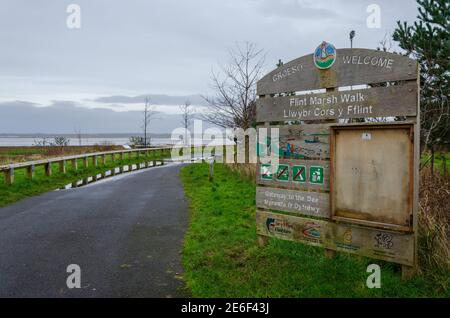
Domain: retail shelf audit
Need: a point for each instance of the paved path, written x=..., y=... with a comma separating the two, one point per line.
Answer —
x=125, y=233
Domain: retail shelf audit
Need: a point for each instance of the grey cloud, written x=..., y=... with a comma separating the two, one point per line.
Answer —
x=24, y=117
x=127, y=48
x=154, y=99
x=295, y=9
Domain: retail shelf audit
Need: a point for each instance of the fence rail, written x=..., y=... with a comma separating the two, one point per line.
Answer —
x=8, y=170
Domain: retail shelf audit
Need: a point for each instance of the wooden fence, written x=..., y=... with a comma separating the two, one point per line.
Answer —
x=30, y=166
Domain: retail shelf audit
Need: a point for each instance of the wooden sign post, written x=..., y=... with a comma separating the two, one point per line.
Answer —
x=347, y=175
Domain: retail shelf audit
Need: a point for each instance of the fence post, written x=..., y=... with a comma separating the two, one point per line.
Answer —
x=30, y=172
x=9, y=176
x=75, y=164
x=48, y=169
x=62, y=166
x=113, y=157
x=103, y=159
x=94, y=161
x=85, y=162
x=211, y=170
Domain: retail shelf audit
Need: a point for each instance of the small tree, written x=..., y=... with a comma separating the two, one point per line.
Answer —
x=60, y=141
x=79, y=135
x=149, y=115
x=187, y=115
x=234, y=105
x=428, y=41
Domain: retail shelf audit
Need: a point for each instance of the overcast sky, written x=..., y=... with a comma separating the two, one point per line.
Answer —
x=128, y=48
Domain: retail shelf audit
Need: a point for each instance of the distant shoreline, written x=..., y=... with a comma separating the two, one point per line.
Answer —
x=72, y=135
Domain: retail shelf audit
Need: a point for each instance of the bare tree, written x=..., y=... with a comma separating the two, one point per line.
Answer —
x=79, y=135
x=149, y=115
x=187, y=114
x=234, y=104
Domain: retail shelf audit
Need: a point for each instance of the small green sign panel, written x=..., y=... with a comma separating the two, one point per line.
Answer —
x=299, y=174
x=316, y=175
x=266, y=172
x=283, y=173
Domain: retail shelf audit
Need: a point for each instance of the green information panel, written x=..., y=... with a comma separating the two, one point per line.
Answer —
x=316, y=175
x=299, y=174
x=266, y=172
x=283, y=173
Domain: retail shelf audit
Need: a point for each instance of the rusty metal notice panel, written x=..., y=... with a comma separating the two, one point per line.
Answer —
x=346, y=174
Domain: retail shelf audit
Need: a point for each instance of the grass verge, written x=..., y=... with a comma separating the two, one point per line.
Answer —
x=23, y=187
x=221, y=256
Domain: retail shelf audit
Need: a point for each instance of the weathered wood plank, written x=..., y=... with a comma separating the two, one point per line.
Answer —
x=9, y=176
x=299, y=202
x=75, y=164
x=352, y=67
x=373, y=184
x=365, y=241
x=62, y=166
x=399, y=100
x=30, y=172
x=300, y=174
x=309, y=231
x=85, y=162
x=48, y=169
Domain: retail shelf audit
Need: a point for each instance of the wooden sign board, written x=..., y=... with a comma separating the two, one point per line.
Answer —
x=399, y=100
x=352, y=67
x=355, y=186
x=381, y=244
x=374, y=184
x=300, y=202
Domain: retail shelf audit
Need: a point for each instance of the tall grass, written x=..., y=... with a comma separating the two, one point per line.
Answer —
x=434, y=229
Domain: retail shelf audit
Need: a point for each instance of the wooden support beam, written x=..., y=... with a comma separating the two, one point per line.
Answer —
x=75, y=164
x=48, y=169
x=263, y=240
x=94, y=161
x=9, y=176
x=113, y=157
x=30, y=172
x=103, y=159
x=408, y=272
x=85, y=162
x=62, y=166
x=121, y=156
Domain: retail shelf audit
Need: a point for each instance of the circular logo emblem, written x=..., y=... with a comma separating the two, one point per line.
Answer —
x=325, y=55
